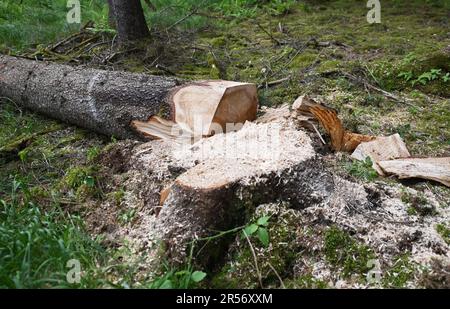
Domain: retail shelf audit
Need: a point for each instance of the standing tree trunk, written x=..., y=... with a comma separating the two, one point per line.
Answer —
x=111, y=15
x=129, y=20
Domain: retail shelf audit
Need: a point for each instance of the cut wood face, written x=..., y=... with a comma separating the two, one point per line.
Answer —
x=199, y=105
x=257, y=149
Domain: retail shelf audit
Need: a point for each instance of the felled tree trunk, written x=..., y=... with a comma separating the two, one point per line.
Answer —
x=108, y=102
x=102, y=101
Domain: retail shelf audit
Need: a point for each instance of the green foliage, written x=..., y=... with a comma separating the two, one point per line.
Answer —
x=83, y=181
x=27, y=23
x=425, y=77
x=343, y=251
x=399, y=274
x=92, y=153
x=362, y=169
x=444, y=231
x=183, y=279
x=127, y=216
x=35, y=244
x=260, y=228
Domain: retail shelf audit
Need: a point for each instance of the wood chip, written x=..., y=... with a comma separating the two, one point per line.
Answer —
x=381, y=149
x=437, y=169
x=341, y=139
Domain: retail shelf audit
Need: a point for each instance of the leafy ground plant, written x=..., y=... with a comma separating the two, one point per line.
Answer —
x=362, y=169
x=260, y=228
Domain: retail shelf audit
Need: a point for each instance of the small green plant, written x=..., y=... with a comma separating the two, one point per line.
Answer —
x=260, y=228
x=407, y=76
x=362, y=169
x=78, y=176
x=127, y=216
x=92, y=153
x=399, y=274
x=444, y=231
x=425, y=77
x=180, y=279
x=183, y=279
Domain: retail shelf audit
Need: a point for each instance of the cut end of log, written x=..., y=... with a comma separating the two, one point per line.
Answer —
x=204, y=108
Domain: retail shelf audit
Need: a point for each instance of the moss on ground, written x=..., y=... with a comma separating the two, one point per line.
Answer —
x=344, y=252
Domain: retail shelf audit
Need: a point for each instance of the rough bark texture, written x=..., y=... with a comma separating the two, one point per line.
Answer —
x=130, y=20
x=191, y=213
x=111, y=15
x=103, y=101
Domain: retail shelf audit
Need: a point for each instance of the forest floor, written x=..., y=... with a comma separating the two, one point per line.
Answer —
x=65, y=192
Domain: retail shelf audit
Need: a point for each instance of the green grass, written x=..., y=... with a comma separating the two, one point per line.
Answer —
x=28, y=23
x=25, y=24
x=36, y=244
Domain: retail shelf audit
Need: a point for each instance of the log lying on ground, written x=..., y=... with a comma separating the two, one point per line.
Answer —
x=234, y=173
x=108, y=101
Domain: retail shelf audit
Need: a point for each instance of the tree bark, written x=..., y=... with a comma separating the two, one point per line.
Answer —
x=111, y=15
x=130, y=20
x=102, y=101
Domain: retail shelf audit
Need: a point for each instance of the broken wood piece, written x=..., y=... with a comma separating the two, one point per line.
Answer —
x=160, y=128
x=436, y=169
x=341, y=140
x=381, y=149
x=302, y=114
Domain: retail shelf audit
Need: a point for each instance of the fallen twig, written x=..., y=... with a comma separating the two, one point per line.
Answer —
x=258, y=273
x=383, y=92
x=274, y=83
x=278, y=276
x=269, y=34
